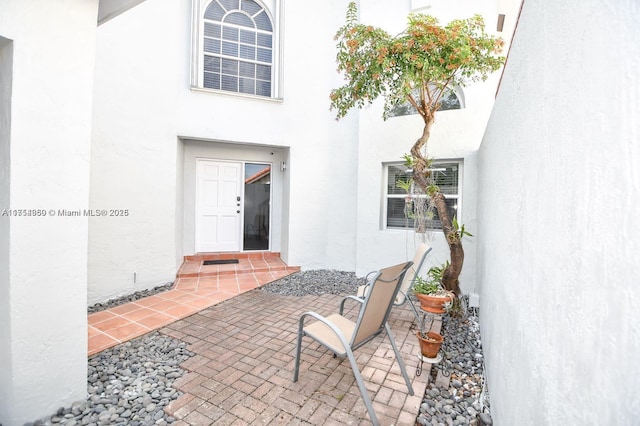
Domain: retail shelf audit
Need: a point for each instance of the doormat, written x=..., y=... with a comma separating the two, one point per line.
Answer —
x=220, y=262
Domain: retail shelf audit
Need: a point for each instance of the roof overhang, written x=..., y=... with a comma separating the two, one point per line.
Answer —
x=108, y=9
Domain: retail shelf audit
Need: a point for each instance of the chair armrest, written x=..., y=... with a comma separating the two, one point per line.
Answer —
x=339, y=334
x=367, y=283
x=350, y=297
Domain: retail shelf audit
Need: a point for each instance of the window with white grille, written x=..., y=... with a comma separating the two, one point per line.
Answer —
x=236, y=49
x=399, y=210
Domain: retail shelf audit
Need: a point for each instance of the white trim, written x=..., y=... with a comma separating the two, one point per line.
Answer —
x=241, y=227
x=197, y=36
x=386, y=196
x=270, y=163
x=236, y=94
x=278, y=46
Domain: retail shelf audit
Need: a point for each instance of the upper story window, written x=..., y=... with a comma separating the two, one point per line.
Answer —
x=452, y=98
x=236, y=48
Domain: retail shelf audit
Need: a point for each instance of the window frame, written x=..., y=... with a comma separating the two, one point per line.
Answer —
x=455, y=90
x=197, y=55
x=386, y=196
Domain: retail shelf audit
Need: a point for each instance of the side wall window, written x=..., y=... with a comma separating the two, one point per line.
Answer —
x=400, y=210
x=236, y=49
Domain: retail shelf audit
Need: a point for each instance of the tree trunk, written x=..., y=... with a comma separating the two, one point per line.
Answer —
x=421, y=174
x=421, y=170
x=452, y=272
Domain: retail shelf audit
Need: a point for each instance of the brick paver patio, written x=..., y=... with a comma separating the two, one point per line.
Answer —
x=242, y=370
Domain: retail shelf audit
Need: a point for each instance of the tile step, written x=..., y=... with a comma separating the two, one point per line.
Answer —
x=236, y=272
x=232, y=255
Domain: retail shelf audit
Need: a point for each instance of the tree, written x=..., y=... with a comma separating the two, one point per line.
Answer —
x=417, y=66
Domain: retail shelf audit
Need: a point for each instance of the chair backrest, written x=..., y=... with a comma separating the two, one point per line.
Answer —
x=409, y=278
x=378, y=302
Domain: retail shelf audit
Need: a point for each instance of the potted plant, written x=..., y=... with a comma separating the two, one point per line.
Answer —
x=429, y=343
x=433, y=297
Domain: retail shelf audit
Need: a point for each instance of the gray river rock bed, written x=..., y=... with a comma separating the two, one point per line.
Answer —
x=129, y=384
x=128, y=298
x=318, y=282
x=465, y=401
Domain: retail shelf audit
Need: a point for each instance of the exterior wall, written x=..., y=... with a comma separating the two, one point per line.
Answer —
x=320, y=173
x=559, y=199
x=6, y=77
x=331, y=192
x=134, y=148
x=141, y=112
x=46, y=85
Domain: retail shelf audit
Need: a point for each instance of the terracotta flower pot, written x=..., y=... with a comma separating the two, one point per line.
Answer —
x=430, y=347
x=434, y=304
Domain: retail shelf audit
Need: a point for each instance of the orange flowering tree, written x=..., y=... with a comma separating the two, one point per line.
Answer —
x=417, y=66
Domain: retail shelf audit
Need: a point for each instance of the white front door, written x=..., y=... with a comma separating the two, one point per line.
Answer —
x=218, y=206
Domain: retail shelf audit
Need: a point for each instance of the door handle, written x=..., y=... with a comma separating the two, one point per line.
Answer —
x=237, y=211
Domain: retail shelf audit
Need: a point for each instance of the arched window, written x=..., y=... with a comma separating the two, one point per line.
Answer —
x=453, y=98
x=237, y=47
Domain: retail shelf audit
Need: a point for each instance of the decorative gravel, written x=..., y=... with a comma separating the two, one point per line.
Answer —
x=130, y=384
x=317, y=282
x=466, y=401
x=129, y=298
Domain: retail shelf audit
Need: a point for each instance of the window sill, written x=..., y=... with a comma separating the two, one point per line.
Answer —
x=428, y=231
x=236, y=95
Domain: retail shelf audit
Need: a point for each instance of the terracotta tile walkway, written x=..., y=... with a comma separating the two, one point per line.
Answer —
x=244, y=345
x=197, y=287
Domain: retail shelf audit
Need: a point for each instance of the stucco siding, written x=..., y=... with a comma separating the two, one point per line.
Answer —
x=559, y=198
x=328, y=202
x=49, y=70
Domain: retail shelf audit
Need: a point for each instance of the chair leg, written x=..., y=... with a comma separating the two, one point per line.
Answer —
x=361, y=386
x=298, y=348
x=399, y=358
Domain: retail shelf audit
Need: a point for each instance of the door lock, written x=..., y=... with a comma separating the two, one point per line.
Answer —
x=238, y=198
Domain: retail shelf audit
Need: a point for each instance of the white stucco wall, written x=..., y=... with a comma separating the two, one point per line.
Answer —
x=134, y=148
x=330, y=204
x=144, y=105
x=320, y=173
x=44, y=273
x=6, y=77
x=559, y=200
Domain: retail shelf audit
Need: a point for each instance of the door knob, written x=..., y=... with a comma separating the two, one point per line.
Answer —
x=237, y=211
